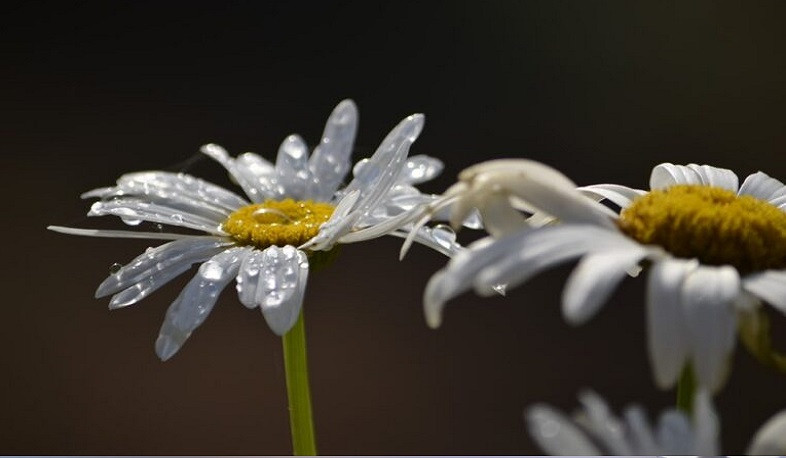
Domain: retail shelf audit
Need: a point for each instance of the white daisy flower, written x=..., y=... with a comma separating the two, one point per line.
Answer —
x=297, y=207
x=595, y=430
x=716, y=251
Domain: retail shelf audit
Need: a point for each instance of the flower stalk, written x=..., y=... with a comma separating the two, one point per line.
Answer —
x=301, y=422
x=686, y=390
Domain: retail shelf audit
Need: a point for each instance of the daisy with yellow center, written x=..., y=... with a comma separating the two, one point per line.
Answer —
x=297, y=209
x=716, y=251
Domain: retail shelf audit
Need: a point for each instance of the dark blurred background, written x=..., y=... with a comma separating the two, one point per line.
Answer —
x=601, y=90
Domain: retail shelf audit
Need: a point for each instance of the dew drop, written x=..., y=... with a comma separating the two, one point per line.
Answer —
x=443, y=235
x=115, y=268
x=159, y=227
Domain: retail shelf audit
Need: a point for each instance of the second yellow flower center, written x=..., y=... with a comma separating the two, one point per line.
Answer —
x=711, y=224
x=277, y=222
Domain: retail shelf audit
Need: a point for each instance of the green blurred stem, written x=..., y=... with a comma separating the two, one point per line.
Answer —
x=686, y=390
x=301, y=421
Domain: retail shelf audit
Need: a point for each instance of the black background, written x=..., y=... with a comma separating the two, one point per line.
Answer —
x=601, y=90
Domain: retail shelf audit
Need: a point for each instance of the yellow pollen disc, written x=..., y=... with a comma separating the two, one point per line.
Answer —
x=711, y=224
x=277, y=222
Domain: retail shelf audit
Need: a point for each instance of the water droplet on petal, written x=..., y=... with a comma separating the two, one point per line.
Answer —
x=443, y=235
x=115, y=268
x=211, y=271
x=501, y=289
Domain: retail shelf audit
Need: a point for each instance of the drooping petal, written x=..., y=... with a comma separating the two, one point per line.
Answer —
x=557, y=435
x=770, y=439
x=530, y=252
x=708, y=295
x=763, y=187
x=197, y=299
x=594, y=279
x=769, y=285
x=292, y=171
x=499, y=217
x=541, y=187
x=667, y=174
x=666, y=332
x=622, y=196
x=330, y=160
x=183, y=252
x=133, y=211
x=282, y=285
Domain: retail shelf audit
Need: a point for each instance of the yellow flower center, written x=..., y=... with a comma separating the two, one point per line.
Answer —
x=277, y=222
x=711, y=224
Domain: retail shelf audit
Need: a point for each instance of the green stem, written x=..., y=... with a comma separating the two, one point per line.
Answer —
x=301, y=421
x=686, y=390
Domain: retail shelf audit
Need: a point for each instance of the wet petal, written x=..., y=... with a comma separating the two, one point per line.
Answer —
x=282, y=285
x=180, y=253
x=292, y=171
x=246, y=180
x=133, y=211
x=419, y=169
x=197, y=299
x=248, y=279
x=330, y=160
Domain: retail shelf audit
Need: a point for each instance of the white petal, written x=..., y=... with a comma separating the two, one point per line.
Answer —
x=499, y=217
x=241, y=175
x=556, y=435
x=717, y=177
x=248, y=279
x=380, y=174
x=457, y=276
x=173, y=255
x=674, y=434
x=330, y=160
x=641, y=434
x=292, y=167
x=335, y=227
x=260, y=176
x=133, y=211
x=622, y=196
x=770, y=439
x=763, y=187
x=107, y=233
x=594, y=279
x=708, y=295
x=157, y=182
x=419, y=169
x=387, y=226
x=666, y=332
x=197, y=299
x=542, y=187
x=530, y=252
x=667, y=174
x=770, y=286
x=282, y=285
x=706, y=425
x=440, y=238
x=604, y=425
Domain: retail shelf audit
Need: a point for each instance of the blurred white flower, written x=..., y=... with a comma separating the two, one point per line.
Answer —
x=595, y=430
x=716, y=250
x=296, y=208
